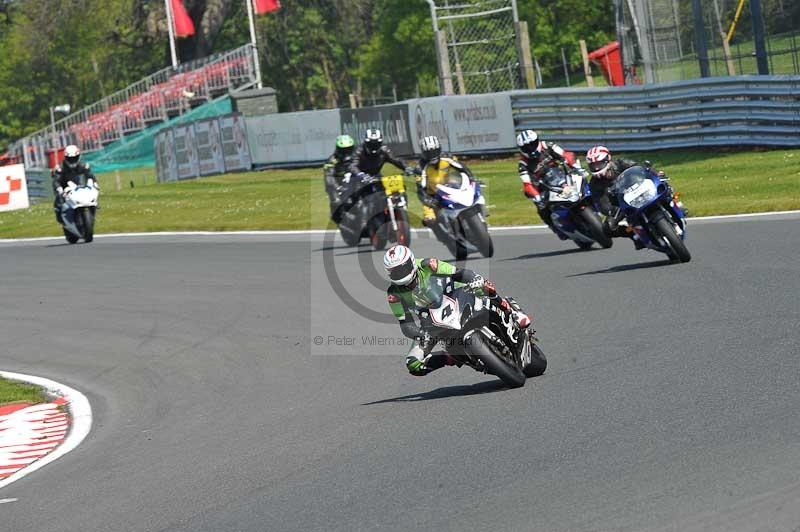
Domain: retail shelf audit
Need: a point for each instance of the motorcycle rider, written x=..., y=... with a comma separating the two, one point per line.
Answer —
x=605, y=170
x=536, y=156
x=336, y=170
x=70, y=171
x=410, y=278
x=429, y=175
x=369, y=160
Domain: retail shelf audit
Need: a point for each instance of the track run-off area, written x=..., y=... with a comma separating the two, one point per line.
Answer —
x=256, y=382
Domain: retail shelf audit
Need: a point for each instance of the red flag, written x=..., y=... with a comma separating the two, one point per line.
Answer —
x=266, y=6
x=183, y=22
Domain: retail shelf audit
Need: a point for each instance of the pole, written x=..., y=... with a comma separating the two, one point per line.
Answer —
x=171, y=29
x=700, y=39
x=53, y=128
x=619, y=17
x=524, y=54
x=254, y=43
x=758, y=37
x=587, y=70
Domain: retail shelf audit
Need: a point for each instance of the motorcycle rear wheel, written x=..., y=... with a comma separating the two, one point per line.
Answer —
x=512, y=376
x=72, y=239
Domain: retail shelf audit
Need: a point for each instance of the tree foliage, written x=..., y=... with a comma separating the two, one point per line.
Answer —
x=314, y=52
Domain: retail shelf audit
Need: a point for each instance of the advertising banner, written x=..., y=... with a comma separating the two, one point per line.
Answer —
x=209, y=147
x=307, y=136
x=13, y=188
x=186, y=151
x=234, y=139
x=464, y=124
x=392, y=120
x=166, y=165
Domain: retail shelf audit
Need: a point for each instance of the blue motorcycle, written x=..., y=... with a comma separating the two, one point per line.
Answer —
x=572, y=211
x=652, y=212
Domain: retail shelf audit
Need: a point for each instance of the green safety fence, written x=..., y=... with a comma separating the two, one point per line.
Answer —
x=138, y=150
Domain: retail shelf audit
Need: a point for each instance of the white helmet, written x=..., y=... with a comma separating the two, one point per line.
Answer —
x=528, y=142
x=72, y=154
x=373, y=140
x=400, y=265
x=599, y=159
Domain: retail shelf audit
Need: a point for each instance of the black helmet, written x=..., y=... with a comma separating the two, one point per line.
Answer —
x=373, y=141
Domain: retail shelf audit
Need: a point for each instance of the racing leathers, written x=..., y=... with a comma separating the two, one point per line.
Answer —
x=428, y=177
x=62, y=175
x=532, y=169
x=404, y=300
x=336, y=171
x=599, y=186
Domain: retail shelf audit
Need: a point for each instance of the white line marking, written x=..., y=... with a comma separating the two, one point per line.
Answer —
x=81, y=421
x=309, y=232
x=4, y=501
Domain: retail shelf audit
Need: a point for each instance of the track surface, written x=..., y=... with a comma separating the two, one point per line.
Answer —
x=671, y=401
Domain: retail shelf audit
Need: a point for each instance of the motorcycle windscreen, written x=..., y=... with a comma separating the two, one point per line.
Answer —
x=628, y=179
x=428, y=294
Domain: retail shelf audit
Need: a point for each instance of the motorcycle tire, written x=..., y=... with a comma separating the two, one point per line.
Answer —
x=350, y=238
x=538, y=363
x=478, y=234
x=583, y=245
x=512, y=376
x=665, y=229
x=595, y=226
x=88, y=225
x=72, y=239
x=377, y=241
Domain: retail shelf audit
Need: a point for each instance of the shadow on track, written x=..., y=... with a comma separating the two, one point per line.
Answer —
x=627, y=267
x=447, y=391
x=545, y=254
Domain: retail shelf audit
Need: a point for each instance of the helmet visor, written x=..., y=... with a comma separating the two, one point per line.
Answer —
x=373, y=145
x=72, y=161
x=598, y=166
x=403, y=274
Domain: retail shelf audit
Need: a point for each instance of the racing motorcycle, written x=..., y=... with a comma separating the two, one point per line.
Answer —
x=652, y=211
x=476, y=332
x=461, y=220
x=78, y=211
x=378, y=211
x=572, y=210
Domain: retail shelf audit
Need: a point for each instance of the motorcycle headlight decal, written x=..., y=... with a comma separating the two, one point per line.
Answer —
x=640, y=194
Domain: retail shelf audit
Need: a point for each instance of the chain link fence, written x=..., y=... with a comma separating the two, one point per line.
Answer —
x=481, y=44
x=660, y=38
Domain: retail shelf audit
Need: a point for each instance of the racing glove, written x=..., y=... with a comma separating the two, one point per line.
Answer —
x=531, y=192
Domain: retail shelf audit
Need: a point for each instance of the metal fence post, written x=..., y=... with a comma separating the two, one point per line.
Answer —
x=700, y=38
x=758, y=37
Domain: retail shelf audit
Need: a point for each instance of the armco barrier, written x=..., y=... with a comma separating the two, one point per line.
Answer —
x=730, y=111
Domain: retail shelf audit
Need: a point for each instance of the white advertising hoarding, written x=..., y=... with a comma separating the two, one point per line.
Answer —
x=471, y=123
x=186, y=151
x=307, y=136
x=13, y=188
x=234, y=139
x=209, y=147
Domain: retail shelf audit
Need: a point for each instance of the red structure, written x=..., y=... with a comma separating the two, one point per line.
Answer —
x=609, y=59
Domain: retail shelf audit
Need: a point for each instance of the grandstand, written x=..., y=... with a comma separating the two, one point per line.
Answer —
x=153, y=100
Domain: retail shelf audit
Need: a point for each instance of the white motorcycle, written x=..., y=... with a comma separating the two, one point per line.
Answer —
x=78, y=211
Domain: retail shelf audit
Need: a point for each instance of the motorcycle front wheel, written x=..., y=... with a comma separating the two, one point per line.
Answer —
x=478, y=234
x=88, y=225
x=592, y=222
x=512, y=376
x=538, y=363
x=665, y=229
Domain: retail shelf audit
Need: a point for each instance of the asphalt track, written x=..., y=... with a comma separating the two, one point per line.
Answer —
x=671, y=400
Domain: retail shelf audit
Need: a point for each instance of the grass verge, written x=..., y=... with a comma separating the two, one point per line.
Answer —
x=710, y=182
x=20, y=392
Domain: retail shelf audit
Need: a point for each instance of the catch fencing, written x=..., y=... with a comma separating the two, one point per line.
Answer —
x=709, y=112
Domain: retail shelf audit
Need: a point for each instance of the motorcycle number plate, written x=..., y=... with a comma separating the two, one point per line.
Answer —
x=447, y=314
x=393, y=184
